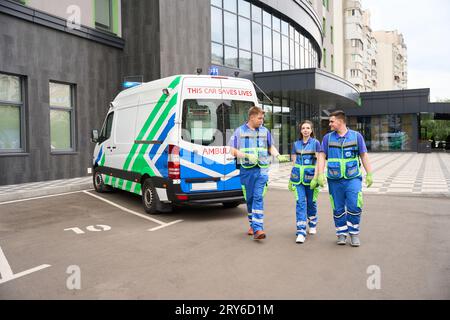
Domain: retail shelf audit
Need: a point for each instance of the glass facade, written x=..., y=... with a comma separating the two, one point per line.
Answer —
x=385, y=132
x=283, y=117
x=247, y=37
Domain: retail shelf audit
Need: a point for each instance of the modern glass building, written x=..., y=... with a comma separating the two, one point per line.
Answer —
x=268, y=43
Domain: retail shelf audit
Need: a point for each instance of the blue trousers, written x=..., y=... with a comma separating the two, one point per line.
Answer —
x=306, y=209
x=347, y=203
x=254, y=184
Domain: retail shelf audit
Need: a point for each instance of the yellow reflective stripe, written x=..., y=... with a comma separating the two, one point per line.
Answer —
x=360, y=200
x=332, y=202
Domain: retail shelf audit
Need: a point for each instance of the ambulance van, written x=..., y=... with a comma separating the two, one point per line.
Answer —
x=166, y=140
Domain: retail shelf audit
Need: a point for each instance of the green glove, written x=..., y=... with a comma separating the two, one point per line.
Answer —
x=316, y=194
x=283, y=158
x=314, y=184
x=321, y=180
x=291, y=187
x=369, y=180
x=251, y=157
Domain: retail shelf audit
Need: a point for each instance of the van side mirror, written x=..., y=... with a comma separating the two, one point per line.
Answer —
x=94, y=136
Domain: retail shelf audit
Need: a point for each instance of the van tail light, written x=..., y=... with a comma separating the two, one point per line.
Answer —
x=174, y=162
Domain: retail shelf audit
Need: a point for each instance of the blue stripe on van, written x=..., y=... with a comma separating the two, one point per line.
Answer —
x=162, y=137
x=207, y=163
x=100, y=153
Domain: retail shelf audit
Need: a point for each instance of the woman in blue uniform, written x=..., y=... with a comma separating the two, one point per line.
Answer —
x=303, y=173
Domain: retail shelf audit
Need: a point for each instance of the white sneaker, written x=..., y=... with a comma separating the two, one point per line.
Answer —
x=300, y=238
x=312, y=231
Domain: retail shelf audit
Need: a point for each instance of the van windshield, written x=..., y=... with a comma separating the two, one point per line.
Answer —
x=206, y=122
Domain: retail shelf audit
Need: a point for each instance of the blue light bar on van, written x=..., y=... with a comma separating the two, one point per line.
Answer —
x=213, y=71
x=130, y=84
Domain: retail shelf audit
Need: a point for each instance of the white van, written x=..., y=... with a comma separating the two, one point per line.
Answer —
x=167, y=141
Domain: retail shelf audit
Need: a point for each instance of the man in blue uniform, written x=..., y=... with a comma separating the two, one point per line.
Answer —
x=252, y=145
x=343, y=149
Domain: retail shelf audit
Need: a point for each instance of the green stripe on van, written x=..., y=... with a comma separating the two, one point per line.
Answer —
x=140, y=163
x=150, y=118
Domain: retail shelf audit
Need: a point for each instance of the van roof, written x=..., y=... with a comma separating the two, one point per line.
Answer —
x=163, y=83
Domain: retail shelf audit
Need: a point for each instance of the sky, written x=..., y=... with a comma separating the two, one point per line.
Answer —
x=425, y=26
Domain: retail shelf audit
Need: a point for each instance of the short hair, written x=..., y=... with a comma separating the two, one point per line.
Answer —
x=255, y=111
x=339, y=114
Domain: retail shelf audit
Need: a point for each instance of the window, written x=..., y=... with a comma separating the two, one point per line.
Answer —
x=230, y=23
x=245, y=41
x=324, y=57
x=257, y=37
x=267, y=42
x=12, y=114
x=217, y=53
x=206, y=121
x=332, y=34
x=245, y=60
x=216, y=26
x=244, y=8
x=324, y=26
x=103, y=14
x=107, y=127
x=217, y=3
x=231, y=57
x=332, y=63
x=61, y=117
x=230, y=5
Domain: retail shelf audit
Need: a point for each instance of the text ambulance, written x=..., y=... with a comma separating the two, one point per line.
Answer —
x=167, y=141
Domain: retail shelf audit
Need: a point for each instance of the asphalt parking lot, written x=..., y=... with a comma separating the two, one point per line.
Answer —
x=78, y=246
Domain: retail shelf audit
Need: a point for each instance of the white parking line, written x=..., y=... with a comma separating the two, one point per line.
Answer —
x=161, y=224
x=166, y=225
x=43, y=197
x=7, y=274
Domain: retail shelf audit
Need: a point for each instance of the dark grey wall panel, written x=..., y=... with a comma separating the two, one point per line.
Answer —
x=185, y=36
x=392, y=102
x=41, y=54
x=140, y=28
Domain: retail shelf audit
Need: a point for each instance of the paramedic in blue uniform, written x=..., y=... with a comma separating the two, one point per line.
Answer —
x=343, y=150
x=252, y=145
x=306, y=152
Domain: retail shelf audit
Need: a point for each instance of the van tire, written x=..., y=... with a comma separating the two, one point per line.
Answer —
x=230, y=205
x=150, y=198
x=99, y=184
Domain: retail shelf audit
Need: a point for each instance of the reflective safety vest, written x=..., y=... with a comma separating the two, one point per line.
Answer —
x=343, y=156
x=254, y=142
x=305, y=165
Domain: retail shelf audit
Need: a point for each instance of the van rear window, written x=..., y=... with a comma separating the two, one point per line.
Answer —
x=206, y=122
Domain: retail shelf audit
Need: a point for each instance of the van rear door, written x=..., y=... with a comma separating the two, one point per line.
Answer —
x=202, y=145
x=212, y=110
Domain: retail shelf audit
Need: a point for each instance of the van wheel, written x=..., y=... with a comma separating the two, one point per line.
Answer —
x=99, y=184
x=149, y=197
x=230, y=205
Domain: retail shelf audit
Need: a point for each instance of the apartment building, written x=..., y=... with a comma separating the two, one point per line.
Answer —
x=392, y=55
x=360, y=47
